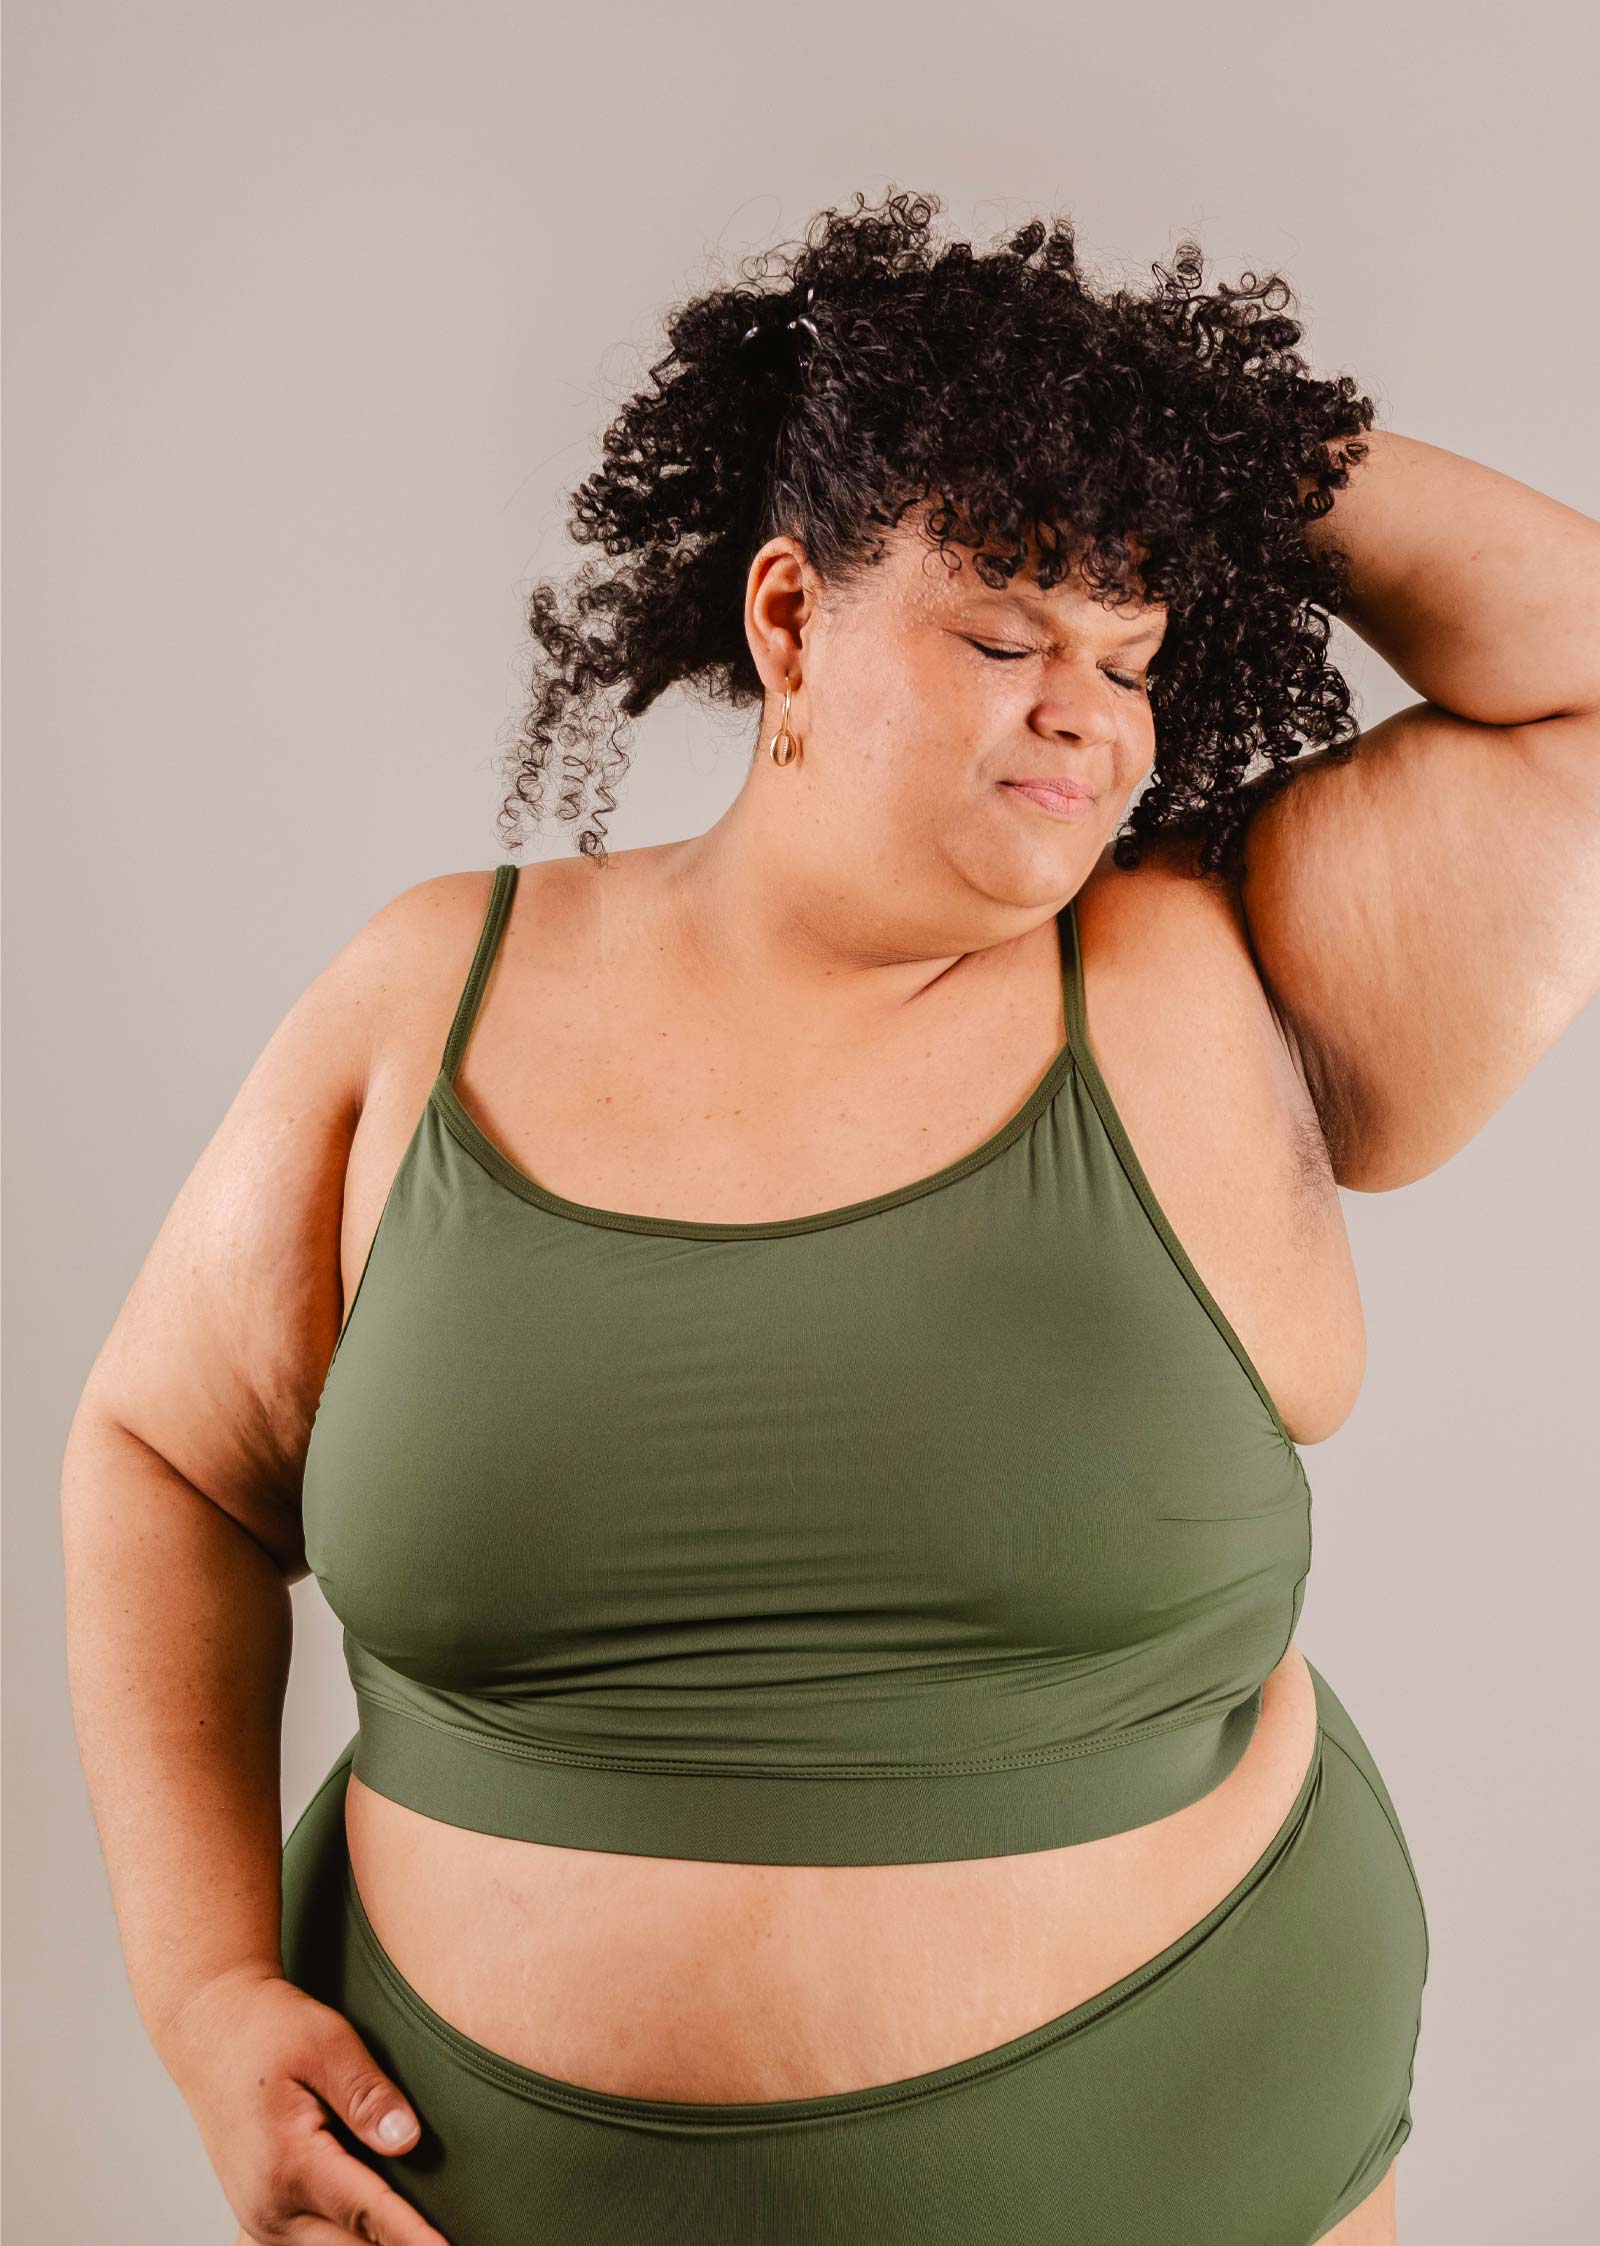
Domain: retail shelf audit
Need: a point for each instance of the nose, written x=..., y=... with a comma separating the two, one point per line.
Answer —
x=1079, y=705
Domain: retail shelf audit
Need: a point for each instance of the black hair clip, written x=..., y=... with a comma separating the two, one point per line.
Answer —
x=776, y=343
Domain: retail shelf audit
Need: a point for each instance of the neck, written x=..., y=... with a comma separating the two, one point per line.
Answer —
x=749, y=907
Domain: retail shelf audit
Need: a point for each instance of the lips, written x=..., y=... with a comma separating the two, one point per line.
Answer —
x=1057, y=784
x=1055, y=795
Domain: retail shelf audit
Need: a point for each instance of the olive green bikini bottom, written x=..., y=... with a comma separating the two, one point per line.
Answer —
x=1248, y=2086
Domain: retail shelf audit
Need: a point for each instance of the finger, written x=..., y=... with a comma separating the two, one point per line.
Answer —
x=342, y=2189
x=346, y=2077
x=316, y=2230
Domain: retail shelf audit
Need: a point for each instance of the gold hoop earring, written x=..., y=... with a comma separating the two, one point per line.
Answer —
x=783, y=734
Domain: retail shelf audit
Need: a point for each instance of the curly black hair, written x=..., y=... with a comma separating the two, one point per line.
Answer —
x=1026, y=414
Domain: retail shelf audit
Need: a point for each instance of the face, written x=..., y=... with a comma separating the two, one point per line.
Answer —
x=932, y=712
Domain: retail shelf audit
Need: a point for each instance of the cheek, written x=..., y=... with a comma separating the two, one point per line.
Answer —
x=1136, y=749
x=917, y=769
x=872, y=705
x=913, y=742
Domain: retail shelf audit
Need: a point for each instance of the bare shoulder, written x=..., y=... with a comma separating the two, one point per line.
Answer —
x=418, y=944
x=413, y=955
x=1209, y=1083
x=1170, y=938
x=217, y=1355
x=1168, y=956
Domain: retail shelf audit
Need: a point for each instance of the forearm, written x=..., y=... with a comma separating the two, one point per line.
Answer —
x=1483, y=593
x=179, y=1629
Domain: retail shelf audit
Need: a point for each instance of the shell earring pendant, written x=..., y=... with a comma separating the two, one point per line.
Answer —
x=790, y=747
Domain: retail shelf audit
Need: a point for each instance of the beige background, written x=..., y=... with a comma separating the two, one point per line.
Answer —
x=315, y=311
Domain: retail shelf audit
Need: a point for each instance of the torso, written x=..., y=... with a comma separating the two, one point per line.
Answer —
x=655, y=1977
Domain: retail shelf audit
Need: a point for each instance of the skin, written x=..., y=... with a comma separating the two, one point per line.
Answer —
x=1416, y=928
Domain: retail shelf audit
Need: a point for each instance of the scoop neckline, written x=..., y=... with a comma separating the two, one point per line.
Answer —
x=493, y=1158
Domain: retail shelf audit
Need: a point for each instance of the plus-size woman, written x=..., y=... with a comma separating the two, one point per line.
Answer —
x=788, y=1350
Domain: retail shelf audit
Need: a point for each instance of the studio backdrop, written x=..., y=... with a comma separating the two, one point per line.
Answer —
x=316, y=314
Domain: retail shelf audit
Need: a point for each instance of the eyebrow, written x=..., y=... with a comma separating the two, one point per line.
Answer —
x=1020, y=597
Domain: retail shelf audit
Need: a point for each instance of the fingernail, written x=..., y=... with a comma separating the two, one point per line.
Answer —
x=395, y=2126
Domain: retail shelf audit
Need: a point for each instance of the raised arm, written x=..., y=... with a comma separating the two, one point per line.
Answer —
x=1426, y=916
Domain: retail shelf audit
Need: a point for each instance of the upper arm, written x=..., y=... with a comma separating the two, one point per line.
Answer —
x=217, y=1356
x=1425, y=918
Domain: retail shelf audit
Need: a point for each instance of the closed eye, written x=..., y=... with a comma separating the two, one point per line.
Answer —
x=1127, y=680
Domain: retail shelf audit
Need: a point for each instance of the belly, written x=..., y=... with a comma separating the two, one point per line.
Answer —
x=656, y=1977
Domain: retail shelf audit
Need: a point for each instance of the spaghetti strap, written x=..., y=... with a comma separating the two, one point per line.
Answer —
x=1072, y=980
x=494, y=920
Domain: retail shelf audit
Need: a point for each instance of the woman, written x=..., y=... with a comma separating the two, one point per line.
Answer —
x=786, y=1350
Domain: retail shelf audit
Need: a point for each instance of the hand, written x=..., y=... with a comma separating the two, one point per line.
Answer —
x=262, y=2066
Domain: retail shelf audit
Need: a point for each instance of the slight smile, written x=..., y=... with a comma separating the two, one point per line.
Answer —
x=1062, y=799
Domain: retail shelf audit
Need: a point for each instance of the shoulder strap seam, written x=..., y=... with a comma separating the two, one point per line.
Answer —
x=494, y=920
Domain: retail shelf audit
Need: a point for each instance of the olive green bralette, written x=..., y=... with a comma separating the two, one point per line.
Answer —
x=954, y=1522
